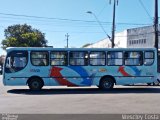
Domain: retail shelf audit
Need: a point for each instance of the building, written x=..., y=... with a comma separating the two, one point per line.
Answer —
x=140, y=37
x=130, y=38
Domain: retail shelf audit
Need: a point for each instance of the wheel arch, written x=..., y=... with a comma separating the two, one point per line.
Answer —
x=108, y=76
x=32, y=77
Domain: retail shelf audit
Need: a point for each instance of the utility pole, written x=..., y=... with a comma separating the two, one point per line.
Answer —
x=67, y=36
x=156, y=32
x=156, y=24
x=113, y=22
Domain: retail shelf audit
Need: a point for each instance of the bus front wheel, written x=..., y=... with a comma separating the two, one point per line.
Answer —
x=106, y=83
x=35, y=83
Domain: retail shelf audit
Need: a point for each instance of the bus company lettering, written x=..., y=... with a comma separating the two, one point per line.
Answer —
x=34, y=70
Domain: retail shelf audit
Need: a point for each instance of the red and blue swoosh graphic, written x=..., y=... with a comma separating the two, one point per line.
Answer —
x=125, y=73
x=56, y=73
x=86, y=78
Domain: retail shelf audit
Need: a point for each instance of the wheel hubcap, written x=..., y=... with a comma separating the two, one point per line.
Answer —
x=35, y=85
x=107, y=84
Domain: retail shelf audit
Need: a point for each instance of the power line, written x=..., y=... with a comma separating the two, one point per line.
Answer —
x=142, y=4
x=101, y=10
x=37, y=18
x=49, y=18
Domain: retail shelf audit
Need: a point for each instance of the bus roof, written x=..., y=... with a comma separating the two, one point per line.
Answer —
x=76, y=49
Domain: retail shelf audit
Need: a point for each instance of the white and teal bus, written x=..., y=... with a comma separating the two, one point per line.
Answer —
x=38, y=67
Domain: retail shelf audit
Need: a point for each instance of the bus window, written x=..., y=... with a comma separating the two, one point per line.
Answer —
x=78, y=58
x=115, y=58
x=133, y=58
x=39, y=58
x=16, y=61
x=148, y=58
x=97, y=58
x=58, y=58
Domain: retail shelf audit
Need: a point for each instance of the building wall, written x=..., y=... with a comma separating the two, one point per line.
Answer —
x=142, y=37
x=105, y=43
x=120, y=41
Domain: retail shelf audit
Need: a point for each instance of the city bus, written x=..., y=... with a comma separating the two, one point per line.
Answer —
x=77, y=67
x=158, y=63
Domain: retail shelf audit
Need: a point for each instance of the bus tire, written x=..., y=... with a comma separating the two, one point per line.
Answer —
x=35, y=83
x=149, y=84
x=106, y=83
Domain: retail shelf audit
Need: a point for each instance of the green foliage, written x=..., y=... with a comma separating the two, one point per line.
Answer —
x=23, y=36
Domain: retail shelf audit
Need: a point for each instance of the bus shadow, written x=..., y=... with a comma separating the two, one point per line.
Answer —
x=61, y=91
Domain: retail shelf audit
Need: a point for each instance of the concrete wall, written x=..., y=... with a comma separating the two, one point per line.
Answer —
x=142, y=37
x=120, y=41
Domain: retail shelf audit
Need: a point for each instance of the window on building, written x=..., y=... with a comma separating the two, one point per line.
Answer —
x=39, y=58
x=139, y=41
x=58, y=58
x=97, y=58
x=136, y=41
x=78, y=58
x=133, y=58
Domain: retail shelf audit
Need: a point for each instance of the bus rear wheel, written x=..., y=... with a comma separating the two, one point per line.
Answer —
x=106, y=83
x=35, y=84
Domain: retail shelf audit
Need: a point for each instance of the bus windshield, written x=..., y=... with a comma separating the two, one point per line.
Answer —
x=16, y=61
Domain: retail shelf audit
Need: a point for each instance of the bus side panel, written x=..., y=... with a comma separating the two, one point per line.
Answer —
x=70, y=76
x=133, y=80
x=132, y=74
x=21, y=77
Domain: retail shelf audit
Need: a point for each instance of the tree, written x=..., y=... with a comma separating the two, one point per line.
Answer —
x=23, y=36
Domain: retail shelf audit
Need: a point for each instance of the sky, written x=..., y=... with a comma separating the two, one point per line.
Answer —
x=56, y=18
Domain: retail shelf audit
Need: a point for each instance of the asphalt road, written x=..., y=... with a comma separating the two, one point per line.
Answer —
x=62, y=100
